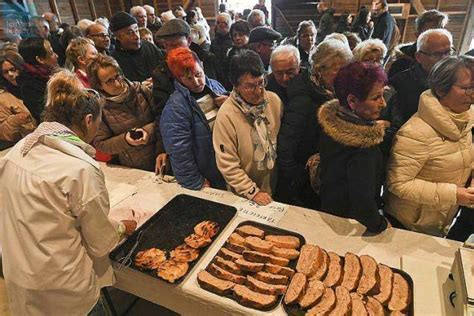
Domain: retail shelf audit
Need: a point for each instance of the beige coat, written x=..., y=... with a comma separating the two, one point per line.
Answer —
x=430, y=158
x=55, y=230
x=10, y=129
x=234, y=148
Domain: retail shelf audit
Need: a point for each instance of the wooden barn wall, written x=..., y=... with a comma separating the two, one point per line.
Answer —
x=286, y=13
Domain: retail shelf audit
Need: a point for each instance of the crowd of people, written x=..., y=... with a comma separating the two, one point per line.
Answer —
x=338, y=118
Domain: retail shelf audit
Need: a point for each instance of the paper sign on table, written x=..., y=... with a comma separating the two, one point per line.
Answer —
x=269, y=214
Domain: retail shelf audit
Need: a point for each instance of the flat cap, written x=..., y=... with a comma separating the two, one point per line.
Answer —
x=120, y=20
x=174, y=27
x=263, y=33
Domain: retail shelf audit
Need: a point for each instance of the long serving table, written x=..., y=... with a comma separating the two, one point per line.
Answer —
x=427, y=259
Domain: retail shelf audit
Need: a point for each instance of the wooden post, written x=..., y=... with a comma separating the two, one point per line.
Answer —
x=155, y=5
x=75, y=13
x=122, y=5
x=92, y=9
x=108, y=9
x=170, y=7
x=54, y=8
x=463, y=43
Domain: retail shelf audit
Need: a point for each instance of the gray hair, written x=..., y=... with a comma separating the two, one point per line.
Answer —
x=423, y=38
x=148, y=8
x=339, y=37
x=253, y=17
x=134, y=10
x=431, y=17
x=226, y=16
x=84, y=24
x=102, y=21
x=443, y=76
x=285, y=51
x=327, y=51
x=368, y=46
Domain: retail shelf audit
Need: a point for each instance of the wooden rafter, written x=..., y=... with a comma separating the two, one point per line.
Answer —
x=418, y=5
x=92, y=9
x=122, y=5
x=108, y=9
x=464, y=28
x=54, y=8
x=75, y=13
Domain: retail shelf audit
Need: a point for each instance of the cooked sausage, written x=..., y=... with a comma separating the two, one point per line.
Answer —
x=265, y=288
x=374, y=308
x=220, y=273
x=247, y=297
x=276, y=269
x=236, y=239
x=352, y=271
x=258, y=244
x=358, y=306
x=271, y=278
x=248, y=266
x=368, y=283
x=343, y=302
x=235, y=247
x=334, y=274
x=296, y=288
x=279, y=261
x=309, y=260
x=321, y=266
x=211, y=283
x=290, y=242
x=229, y=255
x=386, y=280
x=401, y=294
x=285, y=252
x=313, y=293
x=255, y=256
x=325, y=305
x=227, y=265
x=248, y=230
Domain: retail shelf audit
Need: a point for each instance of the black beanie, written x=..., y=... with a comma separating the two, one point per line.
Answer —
x=120, y=20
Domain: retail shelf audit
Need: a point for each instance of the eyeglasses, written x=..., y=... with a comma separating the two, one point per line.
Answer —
x=467, y=90
x=113, y=80
x=439, y=55
x=248, y=87
x=8, y=71
x=101, y=35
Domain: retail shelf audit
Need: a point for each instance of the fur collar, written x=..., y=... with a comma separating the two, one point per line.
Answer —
x=354, y=132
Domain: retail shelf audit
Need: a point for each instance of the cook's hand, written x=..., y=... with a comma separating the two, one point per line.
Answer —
x=130, y=226
x=137, y=142
x=148, y=83
x=262, y=198
x=206, y=184
x=161, y=160
x=465, y=197
x=218, y=101
x=385, y=124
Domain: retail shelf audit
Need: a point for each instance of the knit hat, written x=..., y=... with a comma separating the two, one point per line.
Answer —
x=120, y=20
x=263, y=33
x=174, y=27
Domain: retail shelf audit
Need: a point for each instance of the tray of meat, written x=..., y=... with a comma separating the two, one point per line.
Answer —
x=328, y=284
x=172, y=241
x=254, y=266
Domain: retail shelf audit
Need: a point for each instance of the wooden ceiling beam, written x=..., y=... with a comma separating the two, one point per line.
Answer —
x=75, y=13
x=418, y=5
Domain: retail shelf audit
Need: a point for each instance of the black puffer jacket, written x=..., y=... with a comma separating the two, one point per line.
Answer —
x=351, y=166
x=299, y=133
x=33, y=93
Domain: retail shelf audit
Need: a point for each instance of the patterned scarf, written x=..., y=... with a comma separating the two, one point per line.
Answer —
x=52, y=129
x=41, y=71
x=264, y=153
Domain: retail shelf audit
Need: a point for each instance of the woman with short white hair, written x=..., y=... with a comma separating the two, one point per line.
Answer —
x=298, y=139
x=371, y=50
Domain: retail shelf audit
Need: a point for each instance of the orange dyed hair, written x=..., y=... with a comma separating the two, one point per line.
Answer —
x=181, y=61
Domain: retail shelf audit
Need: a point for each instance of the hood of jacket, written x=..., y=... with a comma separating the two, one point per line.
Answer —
x=437, y=116
x=348, y=129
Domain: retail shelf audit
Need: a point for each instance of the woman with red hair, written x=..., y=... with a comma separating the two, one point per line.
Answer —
x=187, y=121
x=351, y=160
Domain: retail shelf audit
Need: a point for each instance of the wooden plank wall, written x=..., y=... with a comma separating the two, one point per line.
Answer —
x=294, y=11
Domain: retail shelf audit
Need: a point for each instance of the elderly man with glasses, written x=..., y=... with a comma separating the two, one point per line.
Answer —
x=432, y=46
x=100, y=36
